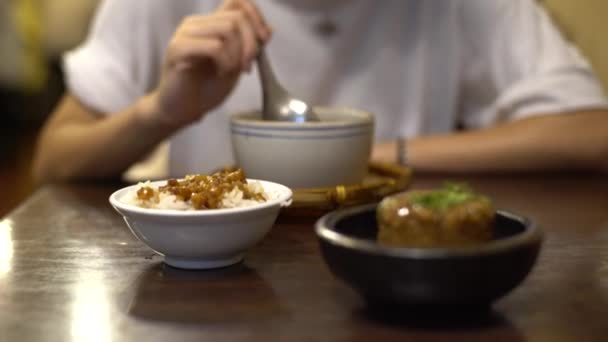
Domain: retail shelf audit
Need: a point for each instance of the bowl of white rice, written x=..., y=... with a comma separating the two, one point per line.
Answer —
x=192, y=237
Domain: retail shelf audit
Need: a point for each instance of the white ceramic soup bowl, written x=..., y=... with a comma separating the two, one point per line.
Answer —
x=202, y=239
x=334, y=151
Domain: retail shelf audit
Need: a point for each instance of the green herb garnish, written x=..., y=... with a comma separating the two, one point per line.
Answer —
x=450, y=195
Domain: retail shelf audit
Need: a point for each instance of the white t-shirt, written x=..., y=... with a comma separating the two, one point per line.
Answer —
x=421, y=66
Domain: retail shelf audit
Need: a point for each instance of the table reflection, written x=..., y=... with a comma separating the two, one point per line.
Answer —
x=164, y=293
x=91, y=304
x=6, y=246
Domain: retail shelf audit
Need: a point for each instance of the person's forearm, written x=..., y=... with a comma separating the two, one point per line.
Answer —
x=557, y=142
x=94, y=148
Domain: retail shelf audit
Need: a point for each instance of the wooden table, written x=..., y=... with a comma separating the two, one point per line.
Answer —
x=71, y=271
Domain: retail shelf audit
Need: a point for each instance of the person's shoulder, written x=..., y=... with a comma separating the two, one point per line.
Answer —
x=181, y=7
x=160, y=4
x=495, y=8
x=482, y=16
x=157, y=9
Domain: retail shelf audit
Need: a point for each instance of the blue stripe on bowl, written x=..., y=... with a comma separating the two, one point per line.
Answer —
x=304, y=128
x=299, y=137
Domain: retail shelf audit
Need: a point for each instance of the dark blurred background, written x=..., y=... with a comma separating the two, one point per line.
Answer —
x=33, y=36
x=35, y=33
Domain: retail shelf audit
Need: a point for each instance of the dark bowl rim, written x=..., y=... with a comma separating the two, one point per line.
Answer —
x=324, y=230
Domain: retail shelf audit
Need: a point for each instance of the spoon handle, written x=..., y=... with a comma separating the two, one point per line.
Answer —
x=267, y=76
x=270, y=85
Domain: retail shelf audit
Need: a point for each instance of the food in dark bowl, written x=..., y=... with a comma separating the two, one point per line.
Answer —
x=457, y=275
x=451, y=216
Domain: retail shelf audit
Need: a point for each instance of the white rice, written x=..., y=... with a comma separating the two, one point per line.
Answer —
x=166, y=200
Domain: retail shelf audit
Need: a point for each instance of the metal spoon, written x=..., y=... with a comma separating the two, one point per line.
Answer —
x=278, y=104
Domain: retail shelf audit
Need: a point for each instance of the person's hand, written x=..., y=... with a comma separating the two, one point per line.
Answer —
x=204, y=60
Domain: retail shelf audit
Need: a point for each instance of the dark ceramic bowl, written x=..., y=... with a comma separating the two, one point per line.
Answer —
x=467, y=276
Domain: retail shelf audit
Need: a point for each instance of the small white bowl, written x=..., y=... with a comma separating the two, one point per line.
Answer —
x=334, y=151
x=202, y=239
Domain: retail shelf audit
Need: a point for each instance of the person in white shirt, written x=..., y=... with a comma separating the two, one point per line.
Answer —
x=474, y=86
